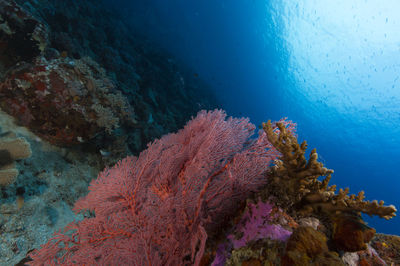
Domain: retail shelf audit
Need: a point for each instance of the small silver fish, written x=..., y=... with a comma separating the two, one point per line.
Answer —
x=105, y=153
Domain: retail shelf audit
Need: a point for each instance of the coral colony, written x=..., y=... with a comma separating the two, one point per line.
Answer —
x=214, y=193
x=161, y=207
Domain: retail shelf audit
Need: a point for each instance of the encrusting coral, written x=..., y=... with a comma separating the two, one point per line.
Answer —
x=297, y=180
x=64, y=101
x=307, y=246
x=11, y=149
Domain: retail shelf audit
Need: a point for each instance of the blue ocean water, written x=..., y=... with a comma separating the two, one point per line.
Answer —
x=330, y=66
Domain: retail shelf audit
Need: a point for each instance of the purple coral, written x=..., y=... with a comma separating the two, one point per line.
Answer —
x=256, y=223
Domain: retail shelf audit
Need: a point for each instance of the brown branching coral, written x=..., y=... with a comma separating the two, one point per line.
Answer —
x=295, y=180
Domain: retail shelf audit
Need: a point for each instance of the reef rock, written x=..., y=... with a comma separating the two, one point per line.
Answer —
x=64, y=101
x=388, y=247
x=22, y=37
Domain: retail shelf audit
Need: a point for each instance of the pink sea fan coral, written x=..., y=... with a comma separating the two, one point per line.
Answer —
x=156, y=209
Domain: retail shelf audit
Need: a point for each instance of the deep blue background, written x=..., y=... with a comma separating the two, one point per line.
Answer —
x=331, y=66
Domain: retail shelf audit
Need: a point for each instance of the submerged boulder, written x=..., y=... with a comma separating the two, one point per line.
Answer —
x=64, y=101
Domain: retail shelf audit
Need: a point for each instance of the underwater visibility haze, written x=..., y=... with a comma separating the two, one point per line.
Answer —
x=138, y=132
x=330, y=66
